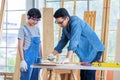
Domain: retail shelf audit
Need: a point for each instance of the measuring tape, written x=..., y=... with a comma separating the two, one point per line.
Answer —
x=105, y=64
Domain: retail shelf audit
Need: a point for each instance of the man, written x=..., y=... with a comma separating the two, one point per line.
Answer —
x=29, y=46
x=82, y=40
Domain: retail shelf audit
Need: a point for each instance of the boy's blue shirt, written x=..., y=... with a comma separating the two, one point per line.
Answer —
x=82, y=40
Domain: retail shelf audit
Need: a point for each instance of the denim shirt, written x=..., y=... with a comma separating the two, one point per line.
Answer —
x=82, y=40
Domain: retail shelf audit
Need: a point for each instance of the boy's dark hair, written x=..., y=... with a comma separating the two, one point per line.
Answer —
x=34, y=12
x=61, y=12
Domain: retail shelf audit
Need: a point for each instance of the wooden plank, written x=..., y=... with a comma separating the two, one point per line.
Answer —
x=16, y=75
x=6, y=75
x=90, y=18
x=62, y=3
x=48, y=36
x=74, y=7
x=104, y=33
x=48, y=31
x=102, y=73
x=2, y=8
x=105, y=25
x=45, y=64
x=94, y=22
x=2, y=12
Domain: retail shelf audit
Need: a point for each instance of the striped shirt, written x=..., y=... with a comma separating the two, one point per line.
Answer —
x=24, y=35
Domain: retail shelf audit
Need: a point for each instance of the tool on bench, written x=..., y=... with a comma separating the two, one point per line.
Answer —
x=106, y=64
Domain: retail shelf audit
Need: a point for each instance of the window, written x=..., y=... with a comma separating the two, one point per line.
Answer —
x=11, y=24
x=114, y=16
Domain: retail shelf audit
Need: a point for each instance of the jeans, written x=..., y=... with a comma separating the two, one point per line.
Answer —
x=90, y=74
x=87, y=74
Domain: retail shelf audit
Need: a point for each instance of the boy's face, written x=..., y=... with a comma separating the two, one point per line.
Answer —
x=33, y=21
x=62, y=22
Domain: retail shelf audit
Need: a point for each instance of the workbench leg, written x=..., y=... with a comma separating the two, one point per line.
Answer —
x=50, y=74
x=55, y=76
x=66, y=76
x=44, y=74
x=58, y=77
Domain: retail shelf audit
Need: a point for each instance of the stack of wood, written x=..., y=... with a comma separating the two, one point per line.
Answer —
x=7, y=76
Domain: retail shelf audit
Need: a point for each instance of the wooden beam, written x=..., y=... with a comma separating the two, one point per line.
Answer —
x=104, y=33
x=105, y=26
x=6, y=75
x=62, y=3
x=48, y=37
x=2, y=12
x=2, y=8
x=16, y=75
x=74, y=7
x=60, y=29
x=90, y=18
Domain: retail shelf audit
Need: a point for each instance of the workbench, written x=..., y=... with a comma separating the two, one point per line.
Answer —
x=71, y=67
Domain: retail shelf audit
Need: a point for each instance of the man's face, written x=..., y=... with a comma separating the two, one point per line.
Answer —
x=62, y=22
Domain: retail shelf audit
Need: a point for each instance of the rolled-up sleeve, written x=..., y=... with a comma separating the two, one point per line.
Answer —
x=61, y=44
x=21, y=33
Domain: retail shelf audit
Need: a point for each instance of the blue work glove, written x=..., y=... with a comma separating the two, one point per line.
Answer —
x=51, y=57
x=63, y=60
x=23, y=66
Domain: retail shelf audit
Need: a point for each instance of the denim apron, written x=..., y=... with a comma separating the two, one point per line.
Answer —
x=31, y=56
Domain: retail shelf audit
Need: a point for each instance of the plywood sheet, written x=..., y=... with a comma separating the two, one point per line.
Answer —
x=48, y=31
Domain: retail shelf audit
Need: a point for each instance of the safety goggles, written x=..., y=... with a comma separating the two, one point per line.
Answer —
x=35, y=19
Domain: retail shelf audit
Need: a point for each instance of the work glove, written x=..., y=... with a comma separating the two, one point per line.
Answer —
x=51, y=57
x=23, y=66
x=85, y=63
x=63, y=60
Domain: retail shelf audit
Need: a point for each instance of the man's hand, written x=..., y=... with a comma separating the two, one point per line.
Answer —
x=23, y=66
x=63, y=60
x=66, y=59
x=51, y=57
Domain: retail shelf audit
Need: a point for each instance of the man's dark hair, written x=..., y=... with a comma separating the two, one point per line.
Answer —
x=35, y=13
x=61, y=12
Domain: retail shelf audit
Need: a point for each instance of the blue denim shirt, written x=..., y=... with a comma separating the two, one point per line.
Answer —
x=82, y=40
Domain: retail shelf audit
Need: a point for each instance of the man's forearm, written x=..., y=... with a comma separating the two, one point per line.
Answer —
x=69, y=54
x=55, y=52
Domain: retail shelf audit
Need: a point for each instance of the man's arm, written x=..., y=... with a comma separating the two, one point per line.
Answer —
x=69, y=54
x=61, y=44
x=55, y=52
x=76, y=30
